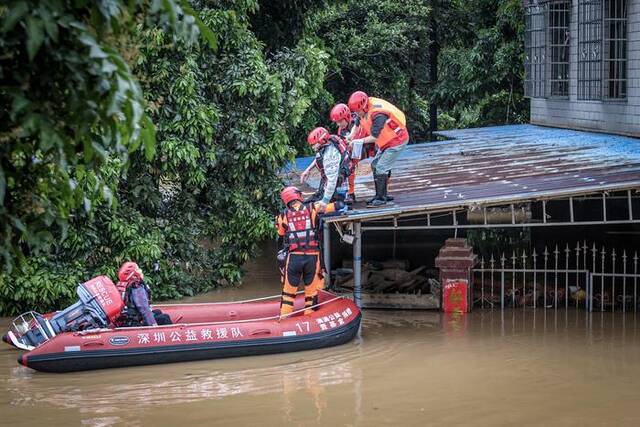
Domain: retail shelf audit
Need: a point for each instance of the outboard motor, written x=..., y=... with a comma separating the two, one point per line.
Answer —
x=100, y=304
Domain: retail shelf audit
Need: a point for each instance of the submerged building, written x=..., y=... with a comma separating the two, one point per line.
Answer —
x=551, y=208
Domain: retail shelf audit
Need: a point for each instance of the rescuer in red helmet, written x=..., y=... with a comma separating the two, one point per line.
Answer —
x=136, y=295
x=349, y=128
x=334, y=163
x=385, y=125
x=298, y=225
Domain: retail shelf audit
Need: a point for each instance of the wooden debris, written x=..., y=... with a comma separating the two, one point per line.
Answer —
x=388, y=277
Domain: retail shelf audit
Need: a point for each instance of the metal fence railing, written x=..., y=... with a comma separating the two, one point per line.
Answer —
x=614, y=289
x=579, y=276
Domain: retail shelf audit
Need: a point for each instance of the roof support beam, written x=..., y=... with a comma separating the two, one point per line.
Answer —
x=571, y=209
x=326, y=247
x=400, y=211
x=357, y=264
x=471, y=226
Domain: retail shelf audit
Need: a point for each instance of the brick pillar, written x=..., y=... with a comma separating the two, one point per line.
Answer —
x=455, y=261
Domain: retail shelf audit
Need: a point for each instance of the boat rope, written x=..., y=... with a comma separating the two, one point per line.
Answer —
x=226, y=302
x=276, y=317
x=224, y=322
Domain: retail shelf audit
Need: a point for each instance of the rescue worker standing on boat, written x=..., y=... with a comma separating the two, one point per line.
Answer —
x=334, y=163
x=298, y=225
x=349, y=128
x=385, y=125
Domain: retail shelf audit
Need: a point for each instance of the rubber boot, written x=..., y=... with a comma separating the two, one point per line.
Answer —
x=376, y=183
x=383, y=188
x=389, y=197
x=381, y=191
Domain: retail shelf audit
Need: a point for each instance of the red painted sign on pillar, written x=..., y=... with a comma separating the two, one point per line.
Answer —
x=454, y=296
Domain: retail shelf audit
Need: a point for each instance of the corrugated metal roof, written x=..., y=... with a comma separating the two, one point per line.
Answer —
x=502, y=164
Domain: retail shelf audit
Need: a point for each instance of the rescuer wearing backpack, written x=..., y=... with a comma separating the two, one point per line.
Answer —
x=298, y=225
x=386, y=126
x=334, y=163
x=349, y=128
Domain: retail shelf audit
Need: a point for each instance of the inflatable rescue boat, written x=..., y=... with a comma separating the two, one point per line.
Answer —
x=81, y=338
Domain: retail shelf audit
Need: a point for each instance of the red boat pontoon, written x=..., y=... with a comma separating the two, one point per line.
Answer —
x=199, y=331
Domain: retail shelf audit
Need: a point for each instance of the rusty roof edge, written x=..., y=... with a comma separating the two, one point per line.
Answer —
x=391, y=212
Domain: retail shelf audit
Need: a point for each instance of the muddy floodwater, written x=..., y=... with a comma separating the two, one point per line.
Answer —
x=407, y=368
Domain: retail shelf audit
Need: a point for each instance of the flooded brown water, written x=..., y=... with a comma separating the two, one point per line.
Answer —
x=407, y=368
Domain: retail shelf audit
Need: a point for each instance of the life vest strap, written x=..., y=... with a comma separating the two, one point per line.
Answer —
x=393, y=126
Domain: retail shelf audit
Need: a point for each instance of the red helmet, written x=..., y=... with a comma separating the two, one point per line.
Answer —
x=129, y=271
x=358, y=101
x=318, y=136
x=289, y=194
x=340, y=112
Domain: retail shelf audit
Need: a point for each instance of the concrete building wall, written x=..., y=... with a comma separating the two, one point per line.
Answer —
x=620, y=117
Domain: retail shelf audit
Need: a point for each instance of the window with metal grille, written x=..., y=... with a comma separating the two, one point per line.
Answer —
x=589, y=49
x=559, y=18
x=535, y=45
x=615, y=49
x=602, y=49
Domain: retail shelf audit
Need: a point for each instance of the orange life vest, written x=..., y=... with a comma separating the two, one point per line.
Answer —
x=301, y=233
x=344, y=131
x=394, y=131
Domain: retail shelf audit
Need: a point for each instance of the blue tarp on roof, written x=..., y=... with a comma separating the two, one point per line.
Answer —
x=300, y=164
x=503, y=164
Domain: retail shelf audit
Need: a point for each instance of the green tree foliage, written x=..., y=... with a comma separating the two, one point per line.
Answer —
x=198, y=207
x=123, y=139
x=380, y=47
x=480, y=63
x=223, y=119
x=282, y=22
x=68, y=101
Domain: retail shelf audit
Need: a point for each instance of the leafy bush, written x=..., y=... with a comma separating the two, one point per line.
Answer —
x=197, y=202
x=68, y=101
x=122, y=138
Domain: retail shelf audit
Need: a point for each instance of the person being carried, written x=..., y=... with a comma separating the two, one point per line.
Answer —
x=385, y=125
x=136, y=295
x=297, y=224
x=333, y=161
x=349, y=128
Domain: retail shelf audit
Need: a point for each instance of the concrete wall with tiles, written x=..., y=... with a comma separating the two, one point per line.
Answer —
x=620, y=117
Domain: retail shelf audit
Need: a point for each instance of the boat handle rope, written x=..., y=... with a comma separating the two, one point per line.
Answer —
x=225, y=322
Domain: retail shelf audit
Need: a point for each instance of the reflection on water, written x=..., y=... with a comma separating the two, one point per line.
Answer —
x=410, y=368
x=153, y=386
x=543, y=367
